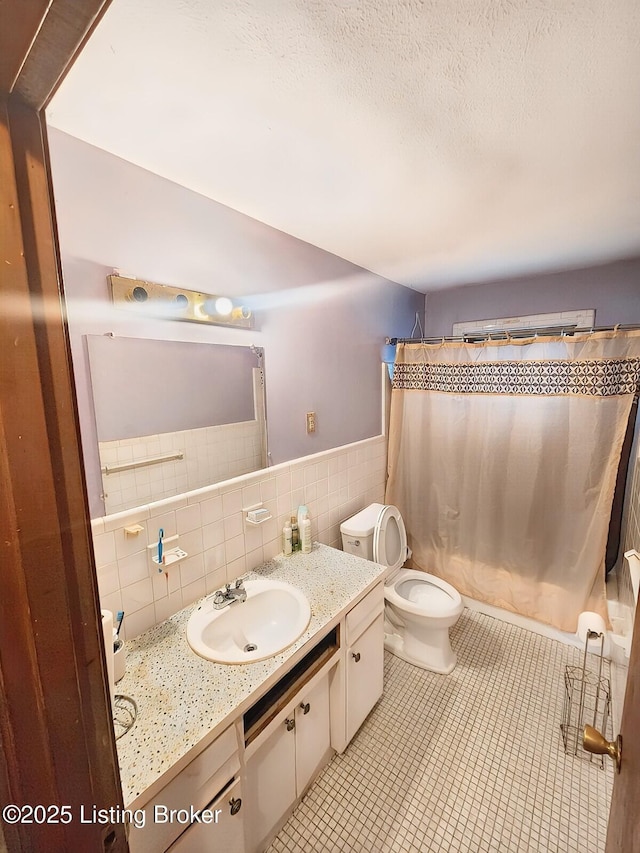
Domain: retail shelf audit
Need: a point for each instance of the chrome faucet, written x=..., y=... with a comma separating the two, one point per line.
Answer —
x=229, y=594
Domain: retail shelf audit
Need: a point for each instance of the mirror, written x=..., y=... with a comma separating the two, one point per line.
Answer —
x=173, y=416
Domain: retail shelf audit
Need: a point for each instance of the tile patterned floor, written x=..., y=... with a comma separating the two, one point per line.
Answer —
x=472, y=762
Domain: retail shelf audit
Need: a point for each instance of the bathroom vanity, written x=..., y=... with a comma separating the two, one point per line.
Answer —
x=243, y=742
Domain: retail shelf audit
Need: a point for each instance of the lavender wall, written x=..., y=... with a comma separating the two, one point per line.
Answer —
x=613, y=289
x=320, y=319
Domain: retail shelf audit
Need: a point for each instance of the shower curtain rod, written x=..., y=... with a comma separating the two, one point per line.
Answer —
x=505, y=334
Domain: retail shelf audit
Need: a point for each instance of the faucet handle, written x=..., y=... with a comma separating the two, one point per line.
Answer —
x=239, y=583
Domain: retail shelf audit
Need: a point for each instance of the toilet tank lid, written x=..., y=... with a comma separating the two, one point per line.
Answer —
x=363, y=522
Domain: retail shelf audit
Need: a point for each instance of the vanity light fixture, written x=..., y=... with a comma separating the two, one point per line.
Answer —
x=175, y=303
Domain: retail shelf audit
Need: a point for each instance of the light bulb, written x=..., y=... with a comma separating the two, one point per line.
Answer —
x=224, y=306
x=241, y=312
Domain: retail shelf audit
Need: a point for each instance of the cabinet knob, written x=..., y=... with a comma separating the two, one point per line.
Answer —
x=306, y=707
x=236, y=804
x=290, y=724
x=355, y=656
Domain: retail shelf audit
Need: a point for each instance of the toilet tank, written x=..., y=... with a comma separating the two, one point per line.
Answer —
x=357, y=532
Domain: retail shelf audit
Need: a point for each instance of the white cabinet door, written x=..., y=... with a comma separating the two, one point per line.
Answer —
x=365, y=665
x=313, y=734
x=226, y=833
x=271, y=782
x=283, y=765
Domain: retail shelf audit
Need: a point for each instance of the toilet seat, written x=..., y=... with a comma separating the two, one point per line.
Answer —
x=389, y=538
x=424, y=595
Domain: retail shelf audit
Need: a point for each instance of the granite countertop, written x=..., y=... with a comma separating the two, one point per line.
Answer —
x=184, y=700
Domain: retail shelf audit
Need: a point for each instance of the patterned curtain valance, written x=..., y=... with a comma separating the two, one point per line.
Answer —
x=592, y=377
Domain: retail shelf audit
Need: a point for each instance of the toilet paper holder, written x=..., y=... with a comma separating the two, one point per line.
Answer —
x=587, y=699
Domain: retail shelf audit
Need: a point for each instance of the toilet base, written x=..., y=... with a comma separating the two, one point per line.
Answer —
x=438, y=660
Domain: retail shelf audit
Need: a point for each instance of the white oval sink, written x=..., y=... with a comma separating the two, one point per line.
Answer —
x=273, y=616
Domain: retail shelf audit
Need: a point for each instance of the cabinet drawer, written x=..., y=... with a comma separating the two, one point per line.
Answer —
x=225, y=833
x=195, y=786
x=364, y=613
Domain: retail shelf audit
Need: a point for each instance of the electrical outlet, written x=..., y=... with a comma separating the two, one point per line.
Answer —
x=311, y=422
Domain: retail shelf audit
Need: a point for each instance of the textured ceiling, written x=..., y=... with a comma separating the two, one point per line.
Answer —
x=437, y=142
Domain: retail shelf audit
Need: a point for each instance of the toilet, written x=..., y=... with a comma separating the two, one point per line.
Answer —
x=419, y=608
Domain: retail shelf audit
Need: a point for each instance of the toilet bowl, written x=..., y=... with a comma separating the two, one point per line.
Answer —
x=419, y=608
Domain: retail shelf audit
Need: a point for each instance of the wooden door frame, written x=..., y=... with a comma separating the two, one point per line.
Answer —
x=57, y=745
x=623, y=829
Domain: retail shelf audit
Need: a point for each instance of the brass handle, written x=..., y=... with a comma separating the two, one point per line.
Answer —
x=594, y=742
x=236, y=804
x=355, y=656
x=290, y=724
x=306, y=707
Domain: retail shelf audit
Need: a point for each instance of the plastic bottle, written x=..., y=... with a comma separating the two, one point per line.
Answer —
x=295, y=534
x=305, y=535
x=287, y=534
x=303, y=513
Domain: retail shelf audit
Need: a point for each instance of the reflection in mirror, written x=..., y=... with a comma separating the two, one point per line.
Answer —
x=173, y=416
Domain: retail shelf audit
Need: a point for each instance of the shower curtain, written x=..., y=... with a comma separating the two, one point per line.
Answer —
x=503, y=459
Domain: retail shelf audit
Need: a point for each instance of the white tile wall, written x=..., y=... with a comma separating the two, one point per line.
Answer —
x=210, y=525
x=211, y=455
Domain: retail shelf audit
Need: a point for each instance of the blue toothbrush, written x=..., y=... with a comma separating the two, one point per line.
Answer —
x=119, y=617
x=160, y=535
